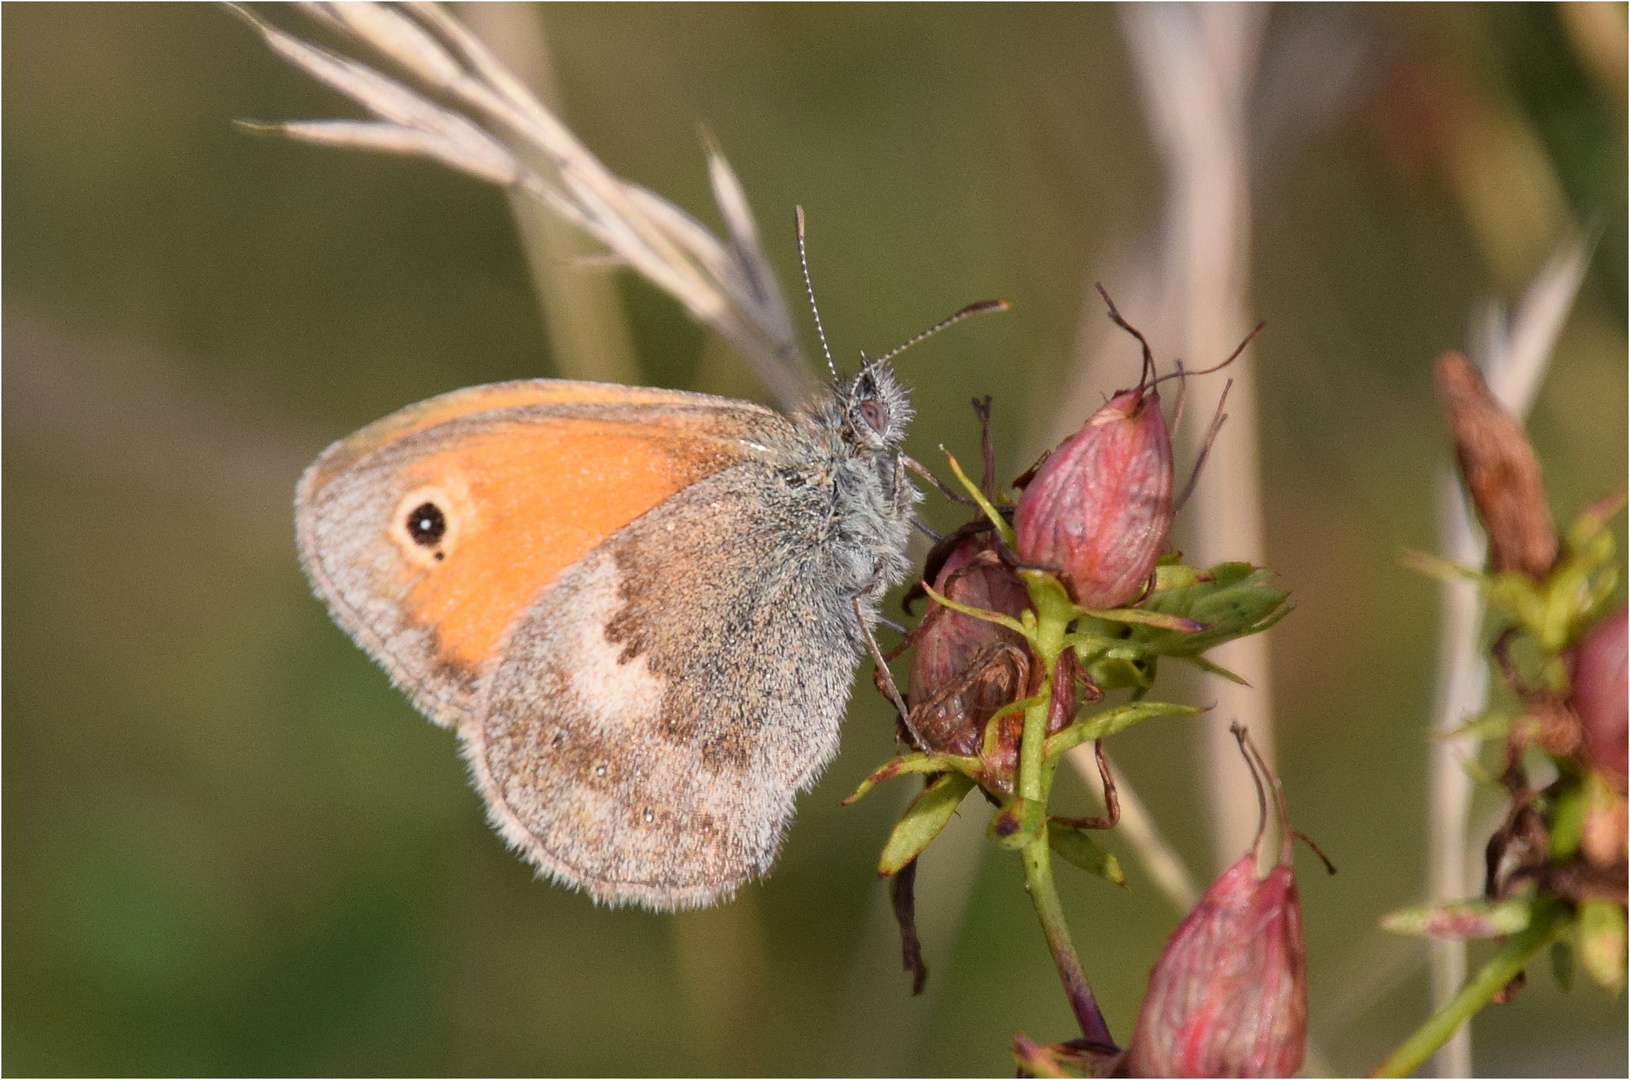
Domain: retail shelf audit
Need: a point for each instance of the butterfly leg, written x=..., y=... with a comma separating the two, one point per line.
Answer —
x=885, y=676
x=944, y=489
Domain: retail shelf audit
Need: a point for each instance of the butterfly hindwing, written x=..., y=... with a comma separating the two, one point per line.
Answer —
x=656, y=712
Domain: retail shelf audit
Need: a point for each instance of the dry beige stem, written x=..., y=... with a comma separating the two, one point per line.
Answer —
x=456, y=103
x=1500, y=470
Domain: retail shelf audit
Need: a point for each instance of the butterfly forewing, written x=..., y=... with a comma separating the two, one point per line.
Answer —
x=428, y=532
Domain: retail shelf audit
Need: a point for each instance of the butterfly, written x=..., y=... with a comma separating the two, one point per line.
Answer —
x=639, y=609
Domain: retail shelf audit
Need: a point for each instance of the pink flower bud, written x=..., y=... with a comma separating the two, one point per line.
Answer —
x=1098, y=508
x=1228, y=996
x=964, y=668
x=1600, y=684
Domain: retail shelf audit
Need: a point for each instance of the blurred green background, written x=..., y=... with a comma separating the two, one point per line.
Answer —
x=231, y=847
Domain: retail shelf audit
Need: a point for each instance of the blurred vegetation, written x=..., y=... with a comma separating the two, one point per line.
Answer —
x=231, y=847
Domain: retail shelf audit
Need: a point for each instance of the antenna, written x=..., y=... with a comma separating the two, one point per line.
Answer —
x=803, y=262
x=979, y=308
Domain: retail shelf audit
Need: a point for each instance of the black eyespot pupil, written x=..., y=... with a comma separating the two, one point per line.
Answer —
x=427, y=524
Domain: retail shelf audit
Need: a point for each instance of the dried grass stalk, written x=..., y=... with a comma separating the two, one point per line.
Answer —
x=1512, y=355
x=1196, y=67
x=459, y=105
x=582, y=311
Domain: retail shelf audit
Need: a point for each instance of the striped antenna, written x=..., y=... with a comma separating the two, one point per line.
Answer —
x=972, y=309
x=809, y=289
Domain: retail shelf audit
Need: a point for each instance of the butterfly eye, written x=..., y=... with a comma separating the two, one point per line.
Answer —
x=872, y=411
x=426, y=525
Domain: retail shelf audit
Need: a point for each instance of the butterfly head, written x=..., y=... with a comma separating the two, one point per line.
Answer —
x=875, y=408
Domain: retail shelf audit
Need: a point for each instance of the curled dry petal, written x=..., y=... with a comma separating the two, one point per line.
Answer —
x=1228, y=996
x=1501, y=473
x=1600, y=687
x=1001, y=764
x=1098, y=508
x=964, y=668
x=1550, y=725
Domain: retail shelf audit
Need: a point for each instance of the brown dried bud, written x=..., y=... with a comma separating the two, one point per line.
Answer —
x=1098, y=508
x=964, y=668
x=1549, y=724
x=1501, y=473
x=1003, y=760
x=1600, y=686
x=1228, y=996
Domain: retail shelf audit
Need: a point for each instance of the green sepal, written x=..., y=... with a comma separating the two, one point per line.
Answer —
x=1599, y=937
x=1474, y=769
x=1443, y=569
x=1493, y=724
x=1236, y=602
x=1073, y=843
x=1215, y=669
x=1143, y=617
x=1003, y=529
x=1589, y=534
x=914, y=763
x=1555, y=611
x=1112, y=671
x=1461, y=919
x=1048, y=596
x=1021, y=628
x=1018, y=824
x=1102, y=725
x=1562, y=965
x=928, y=813
x=1567, y=821
x=1177, y=575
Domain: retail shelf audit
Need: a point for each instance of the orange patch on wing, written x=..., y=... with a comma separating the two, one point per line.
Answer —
x=535, y=497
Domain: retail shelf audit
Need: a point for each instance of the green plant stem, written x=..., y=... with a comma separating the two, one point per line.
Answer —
x=1034, y=782
x=1031, y=783
x=1052, y=620
x=1549, y=919
x=1038, y=881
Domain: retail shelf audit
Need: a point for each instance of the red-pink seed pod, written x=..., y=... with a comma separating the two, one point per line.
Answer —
x=963, y=668
x=1601, y=682
x=1098, y=509
x=1228, y=996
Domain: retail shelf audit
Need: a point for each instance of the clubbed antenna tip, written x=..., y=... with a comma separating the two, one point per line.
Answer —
x=981, y=307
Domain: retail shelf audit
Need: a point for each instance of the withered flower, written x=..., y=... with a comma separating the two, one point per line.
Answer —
x=1501, y=472
x=1098, y=508
x=1002, y=762
x=1228, y=995
x=964, y=668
